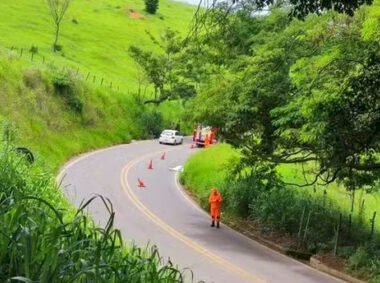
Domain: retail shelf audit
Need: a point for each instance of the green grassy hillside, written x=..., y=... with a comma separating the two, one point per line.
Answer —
x=95, y=34
x=94, y=67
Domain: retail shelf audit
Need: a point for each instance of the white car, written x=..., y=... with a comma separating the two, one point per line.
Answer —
x=171, y=136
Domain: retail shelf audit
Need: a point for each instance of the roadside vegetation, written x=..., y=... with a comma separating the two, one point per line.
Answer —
x=106, y=72
x=85, y=93
x=90, y=92
x=56, y=114
x=44, y=239
x=298, y=101
x=309, y=215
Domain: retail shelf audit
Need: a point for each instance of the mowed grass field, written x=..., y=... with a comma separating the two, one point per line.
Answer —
x=95, y=34
x=209, y=168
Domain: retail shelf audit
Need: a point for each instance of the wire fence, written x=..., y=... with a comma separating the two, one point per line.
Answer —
x=33, y=56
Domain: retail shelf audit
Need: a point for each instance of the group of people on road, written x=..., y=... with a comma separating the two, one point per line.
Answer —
x=206, y=135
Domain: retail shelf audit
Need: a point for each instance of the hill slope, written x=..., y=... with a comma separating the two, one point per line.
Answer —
x=95, y=34
x=64, y=103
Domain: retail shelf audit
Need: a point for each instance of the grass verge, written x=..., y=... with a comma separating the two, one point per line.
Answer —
x=308, y=216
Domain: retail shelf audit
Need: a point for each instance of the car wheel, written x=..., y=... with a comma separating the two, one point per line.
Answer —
x=160, y=142
x=175, y=142
x=181, y=141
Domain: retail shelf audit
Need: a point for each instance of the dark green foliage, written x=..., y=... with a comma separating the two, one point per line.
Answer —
x=27, y=153
x=241, y=192
x=304, y=93
x=366, y=257
x=151, y=6
x=294, y=92
x=164, y=71
x=302, y=8
x=67, y=86
x=152, y=123
x=261, y=197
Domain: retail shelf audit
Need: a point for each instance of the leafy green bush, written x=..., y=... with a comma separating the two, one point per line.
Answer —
x=241, y=193
x=151, y=6
x=152, y=123
x=67, y=86
x=366, y=258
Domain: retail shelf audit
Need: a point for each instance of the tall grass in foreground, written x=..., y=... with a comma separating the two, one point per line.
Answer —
x=42, y=239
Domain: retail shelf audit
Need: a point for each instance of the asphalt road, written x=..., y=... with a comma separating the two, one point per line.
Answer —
x=163, y=215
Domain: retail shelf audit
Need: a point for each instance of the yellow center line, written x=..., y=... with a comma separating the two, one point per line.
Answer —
x=173, y=232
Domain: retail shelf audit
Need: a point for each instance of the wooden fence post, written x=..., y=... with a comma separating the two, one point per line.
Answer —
x=300, y=227
x=349, y=225
x=337, y=234
x=373, y=224
x=306, y=227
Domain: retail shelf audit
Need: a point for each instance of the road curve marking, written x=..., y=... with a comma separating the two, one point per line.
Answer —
x=173, y=232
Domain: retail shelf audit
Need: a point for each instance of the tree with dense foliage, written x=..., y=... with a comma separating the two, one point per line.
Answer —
x=58, y=10
x=164, y=70
x=295, y=92
x=151, y=6
x=302, y=8
x=300, y=101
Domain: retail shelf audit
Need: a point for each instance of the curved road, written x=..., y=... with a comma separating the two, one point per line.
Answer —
x=163, y=215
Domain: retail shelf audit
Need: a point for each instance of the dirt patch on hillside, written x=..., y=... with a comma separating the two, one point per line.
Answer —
x=135, y=15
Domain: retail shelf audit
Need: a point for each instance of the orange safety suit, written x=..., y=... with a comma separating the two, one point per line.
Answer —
x=212, y=136
x=215, y=199
x=194, y=134
x=207, y=141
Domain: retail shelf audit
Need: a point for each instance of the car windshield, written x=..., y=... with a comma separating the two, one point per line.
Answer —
x=167, y=133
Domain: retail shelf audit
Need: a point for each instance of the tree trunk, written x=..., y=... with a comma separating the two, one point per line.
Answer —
x=56, y=37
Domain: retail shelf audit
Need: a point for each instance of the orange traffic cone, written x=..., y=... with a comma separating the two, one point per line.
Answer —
x=150, y=166
x=163, y=156
x=140, y=183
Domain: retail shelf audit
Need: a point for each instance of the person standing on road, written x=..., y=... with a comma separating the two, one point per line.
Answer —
x=194, y=134
x=215, y=199
x=207, y=141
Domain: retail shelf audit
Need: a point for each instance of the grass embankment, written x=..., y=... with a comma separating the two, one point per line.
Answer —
x=95, y=35
x=207, y=169
x=56, y=114
x=285, y=209
x=89, y=113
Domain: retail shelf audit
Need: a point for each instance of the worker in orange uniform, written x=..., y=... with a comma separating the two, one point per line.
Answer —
x=212, y=136
x=215, y=199
x=207, y=141
x=194, y=134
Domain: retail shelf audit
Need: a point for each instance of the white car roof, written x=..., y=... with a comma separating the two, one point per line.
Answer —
x=169, y=131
